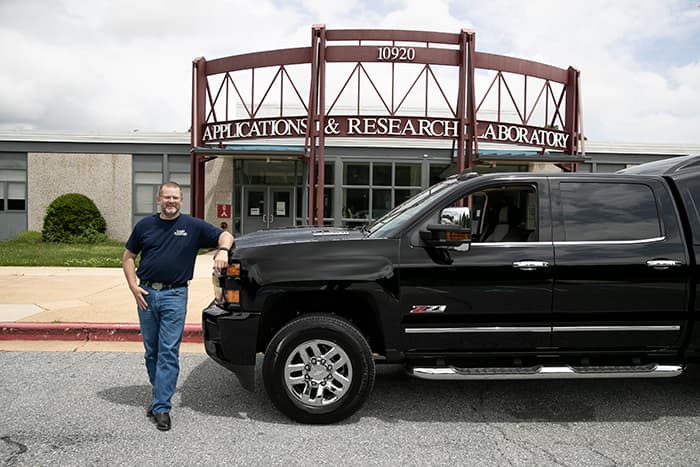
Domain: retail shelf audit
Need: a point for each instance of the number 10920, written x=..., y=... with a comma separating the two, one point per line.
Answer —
x=396, y=54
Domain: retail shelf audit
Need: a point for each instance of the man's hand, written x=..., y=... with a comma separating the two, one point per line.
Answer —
x=139, y=295
x=129, y=267
x=220, y=261
x=221, y=255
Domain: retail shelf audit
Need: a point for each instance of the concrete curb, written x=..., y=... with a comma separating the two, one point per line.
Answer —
x=118, y=332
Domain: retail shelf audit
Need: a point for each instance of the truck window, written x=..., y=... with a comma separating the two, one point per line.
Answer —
x=690, y=190
x=609, y=212
x=503, y=214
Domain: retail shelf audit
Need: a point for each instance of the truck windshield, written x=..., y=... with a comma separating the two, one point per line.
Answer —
x=394, y=220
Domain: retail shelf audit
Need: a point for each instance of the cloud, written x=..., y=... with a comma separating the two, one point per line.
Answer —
x=119, y=66
x=631, y=91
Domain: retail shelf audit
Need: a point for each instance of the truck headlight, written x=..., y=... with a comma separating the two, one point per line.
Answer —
x=227, y=286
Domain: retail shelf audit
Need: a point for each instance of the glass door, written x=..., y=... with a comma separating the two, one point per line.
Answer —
x=281, y=212
x=266, y=207
x=254, y=213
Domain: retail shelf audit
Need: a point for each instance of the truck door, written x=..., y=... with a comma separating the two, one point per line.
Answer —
x=621, y=265
x=496, y=296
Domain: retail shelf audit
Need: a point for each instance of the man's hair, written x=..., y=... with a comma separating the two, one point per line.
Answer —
x=169, y=185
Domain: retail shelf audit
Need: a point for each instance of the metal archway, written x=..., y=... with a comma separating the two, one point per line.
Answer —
x=387, y=83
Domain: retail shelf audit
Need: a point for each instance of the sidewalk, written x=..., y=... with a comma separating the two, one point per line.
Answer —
x=60, y=304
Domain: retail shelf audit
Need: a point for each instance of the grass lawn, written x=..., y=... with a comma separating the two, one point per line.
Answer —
x=33, y=252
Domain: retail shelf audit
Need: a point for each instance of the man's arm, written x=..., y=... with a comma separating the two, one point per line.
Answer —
x=129, y=267
x=221, y=256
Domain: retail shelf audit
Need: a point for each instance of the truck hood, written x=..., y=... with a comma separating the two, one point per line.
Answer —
x=296, y=235
x=315, y=254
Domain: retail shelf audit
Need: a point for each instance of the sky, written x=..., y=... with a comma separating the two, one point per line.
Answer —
x=125, y=65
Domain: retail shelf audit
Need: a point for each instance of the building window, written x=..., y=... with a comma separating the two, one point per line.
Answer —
x=382, y=197
x=150, y=171
x=328, y=205
x=407, y=175
x=356, y=204
x=356, y=174
x=148, y=176
x=328, y=190
x=408, y=179
x=16, y=196
x=273, y=172
x=13, y=190
x=381, y=202
x=356, y=189
x=178, y=170
x=372, y=189
x=440, y=172
x=381, y=174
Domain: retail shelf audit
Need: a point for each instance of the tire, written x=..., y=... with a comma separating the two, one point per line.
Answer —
x=318, y=369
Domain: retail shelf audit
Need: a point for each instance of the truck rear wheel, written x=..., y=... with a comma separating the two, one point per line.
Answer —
x=318, y=369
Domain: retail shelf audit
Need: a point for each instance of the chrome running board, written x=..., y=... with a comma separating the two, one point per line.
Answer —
x=652, y=370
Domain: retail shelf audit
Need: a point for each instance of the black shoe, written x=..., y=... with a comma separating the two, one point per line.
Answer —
x=162, y=421
x=149, y=413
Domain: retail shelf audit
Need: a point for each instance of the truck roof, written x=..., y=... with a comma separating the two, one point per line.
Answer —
x=671, y=166
x=674, y=167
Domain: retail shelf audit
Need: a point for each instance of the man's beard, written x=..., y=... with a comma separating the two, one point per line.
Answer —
x=170, y=215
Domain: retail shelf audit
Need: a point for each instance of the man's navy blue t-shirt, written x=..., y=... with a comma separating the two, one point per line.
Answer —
x=169, y=247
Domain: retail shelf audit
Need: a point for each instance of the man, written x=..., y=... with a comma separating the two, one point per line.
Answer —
x=168, y=243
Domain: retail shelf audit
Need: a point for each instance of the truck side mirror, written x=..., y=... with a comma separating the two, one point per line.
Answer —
x=457, y=216
x=453, y=231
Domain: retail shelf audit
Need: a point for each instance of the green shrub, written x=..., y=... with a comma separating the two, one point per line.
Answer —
x=73, y=218
x=29, y=237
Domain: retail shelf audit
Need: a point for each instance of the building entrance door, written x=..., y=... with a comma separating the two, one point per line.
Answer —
x=267, y=207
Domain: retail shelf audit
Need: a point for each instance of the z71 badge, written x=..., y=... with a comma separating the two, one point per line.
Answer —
x=428, y=308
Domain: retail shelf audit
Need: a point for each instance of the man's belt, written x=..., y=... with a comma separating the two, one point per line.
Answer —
x=163, y=285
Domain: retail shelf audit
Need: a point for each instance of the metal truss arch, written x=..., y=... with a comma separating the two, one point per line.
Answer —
x=387, y=83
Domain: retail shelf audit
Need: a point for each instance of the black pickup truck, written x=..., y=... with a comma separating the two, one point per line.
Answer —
x=501, y=276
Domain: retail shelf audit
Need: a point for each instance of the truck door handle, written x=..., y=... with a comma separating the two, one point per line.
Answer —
x=663, y=263
x=530, y=265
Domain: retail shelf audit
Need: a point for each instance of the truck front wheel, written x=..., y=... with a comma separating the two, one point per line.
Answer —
x=318, y=369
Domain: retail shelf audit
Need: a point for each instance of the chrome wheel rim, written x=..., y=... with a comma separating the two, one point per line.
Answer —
x=318, y=373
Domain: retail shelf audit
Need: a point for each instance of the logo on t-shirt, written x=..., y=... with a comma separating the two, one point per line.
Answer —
x=180, y=233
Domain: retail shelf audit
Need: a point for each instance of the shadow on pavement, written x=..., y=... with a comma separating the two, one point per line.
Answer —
x=136, y=396
x=212, y=390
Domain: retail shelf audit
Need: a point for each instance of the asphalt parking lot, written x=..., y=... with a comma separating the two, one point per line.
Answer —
x=88, y=408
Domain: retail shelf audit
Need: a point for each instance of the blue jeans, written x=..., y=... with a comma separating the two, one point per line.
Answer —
x=162, y=325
